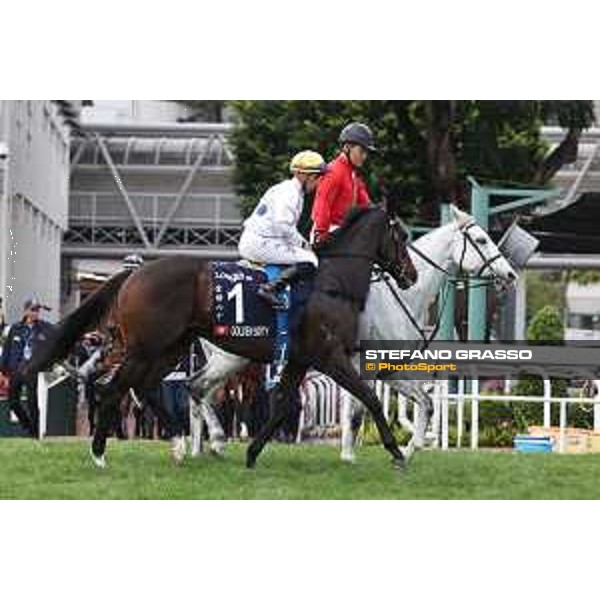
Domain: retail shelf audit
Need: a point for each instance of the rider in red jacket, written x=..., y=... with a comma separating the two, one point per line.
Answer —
x=342, y=188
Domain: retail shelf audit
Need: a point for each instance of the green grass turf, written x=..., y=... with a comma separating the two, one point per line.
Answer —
x=62, y=469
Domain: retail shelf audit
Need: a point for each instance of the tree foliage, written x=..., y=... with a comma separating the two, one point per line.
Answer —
x=268, y=133
x=584, y=276
x=546, y=326
x=543, y=288
x=427, y=147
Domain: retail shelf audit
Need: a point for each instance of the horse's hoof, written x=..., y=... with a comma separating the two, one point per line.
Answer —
x=348, y=458
x=408, y=451
x=217, y=447
x=217, y=455
x=250, y=461
x=178, y=450
x=399, y=463
x=99, y=461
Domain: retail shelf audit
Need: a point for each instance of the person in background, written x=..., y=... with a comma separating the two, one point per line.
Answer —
x=3, y=380
x=175, y=395
x=2, y=318
x=89, y=355
x=132, y=262
x=23, y=339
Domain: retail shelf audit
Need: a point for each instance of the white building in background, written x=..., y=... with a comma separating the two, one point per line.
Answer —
x=134, y=111
x=146, y=178
x=582, y=312
x=83, y=184
x=34, y=196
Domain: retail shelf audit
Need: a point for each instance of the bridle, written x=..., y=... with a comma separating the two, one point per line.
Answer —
x=486, y=262
x=392, y=266
x=452, y=279
x=395, y=266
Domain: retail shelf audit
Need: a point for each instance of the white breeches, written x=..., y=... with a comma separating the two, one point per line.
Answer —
x=273, y=250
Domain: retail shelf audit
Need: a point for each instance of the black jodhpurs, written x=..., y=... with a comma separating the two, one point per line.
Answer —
x=28, y=418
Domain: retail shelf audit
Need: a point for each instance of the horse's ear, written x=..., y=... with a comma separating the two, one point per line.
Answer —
x=460, y=216
x=389, y=205
x=386, y=203
x=455, y=211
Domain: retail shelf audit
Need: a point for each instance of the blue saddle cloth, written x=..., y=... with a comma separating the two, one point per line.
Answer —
x=240, y=313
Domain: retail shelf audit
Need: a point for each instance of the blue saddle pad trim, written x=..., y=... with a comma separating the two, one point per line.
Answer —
x=282, y=326
x=273, y=271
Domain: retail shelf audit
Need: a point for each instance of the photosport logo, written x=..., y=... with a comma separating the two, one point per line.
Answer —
x=396, y=359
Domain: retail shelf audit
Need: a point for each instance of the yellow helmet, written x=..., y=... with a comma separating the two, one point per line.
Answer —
x=308, y=161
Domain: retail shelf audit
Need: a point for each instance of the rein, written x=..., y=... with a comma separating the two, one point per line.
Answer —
x=486, y=262
x=389, y=266
x=421, y=331
x=451, y=281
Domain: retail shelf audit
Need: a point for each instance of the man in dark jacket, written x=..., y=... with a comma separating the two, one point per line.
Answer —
x=2, y=321
x=22, y=341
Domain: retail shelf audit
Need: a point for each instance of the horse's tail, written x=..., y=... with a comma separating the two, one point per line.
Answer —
x=72, y=327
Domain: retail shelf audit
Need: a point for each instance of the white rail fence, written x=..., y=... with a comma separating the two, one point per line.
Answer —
x=445, y=399
x=321, y=400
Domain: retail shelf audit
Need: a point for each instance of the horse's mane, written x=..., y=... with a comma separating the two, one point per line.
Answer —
x=354, y=214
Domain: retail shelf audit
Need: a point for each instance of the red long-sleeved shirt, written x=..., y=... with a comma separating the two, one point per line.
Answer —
x=339, y=190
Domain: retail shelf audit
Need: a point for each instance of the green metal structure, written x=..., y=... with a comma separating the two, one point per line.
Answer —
x=447, y=299
x=482, y=210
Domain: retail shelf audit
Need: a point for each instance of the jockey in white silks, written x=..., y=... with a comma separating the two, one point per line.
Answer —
x=270, y=234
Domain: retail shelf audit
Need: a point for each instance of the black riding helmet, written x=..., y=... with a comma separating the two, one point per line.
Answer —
x=358, y=133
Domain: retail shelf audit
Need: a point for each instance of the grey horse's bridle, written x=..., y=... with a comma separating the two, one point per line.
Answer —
x=452, y=279
x=487, y=262
x=462, y=275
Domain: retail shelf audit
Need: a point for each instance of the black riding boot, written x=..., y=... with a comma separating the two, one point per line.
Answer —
x=269, y=291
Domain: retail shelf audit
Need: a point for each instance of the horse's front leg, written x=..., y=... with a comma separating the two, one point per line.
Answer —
x=203, y=387
x=109, y=394
x=202, y=412
x=351, y=416
x=196, y=429
x=340, y=369
x=108, y=412
x=422, y=414
x=282, y=405
x=347, y=453
x=425, y=403
x=216, y=435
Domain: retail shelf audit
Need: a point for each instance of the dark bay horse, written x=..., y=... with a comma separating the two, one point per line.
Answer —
x=164, y=306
